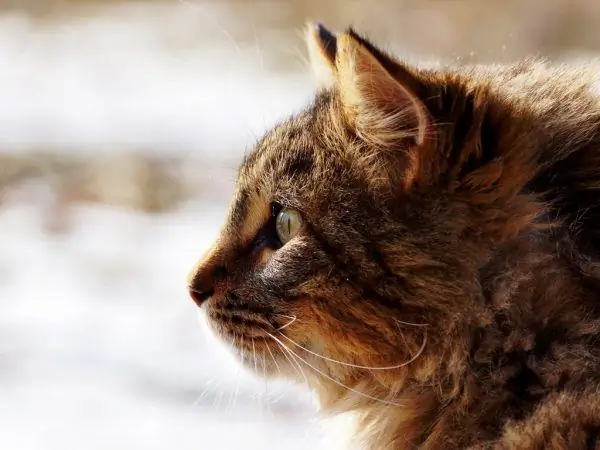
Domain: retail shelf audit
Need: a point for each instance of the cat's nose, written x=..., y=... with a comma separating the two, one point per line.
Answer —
x=201, y=283
x=202, y=286
x=200, y=296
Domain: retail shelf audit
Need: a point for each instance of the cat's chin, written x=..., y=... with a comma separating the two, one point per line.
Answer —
x=266, y=359
x=256, y=353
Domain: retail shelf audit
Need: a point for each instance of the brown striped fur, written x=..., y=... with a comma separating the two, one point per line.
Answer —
x=452, y=219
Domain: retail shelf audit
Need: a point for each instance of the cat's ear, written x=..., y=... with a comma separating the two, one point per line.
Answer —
x=322, y=49
x=378, y=95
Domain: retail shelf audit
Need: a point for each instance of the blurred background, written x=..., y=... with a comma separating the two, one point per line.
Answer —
x=121, y=126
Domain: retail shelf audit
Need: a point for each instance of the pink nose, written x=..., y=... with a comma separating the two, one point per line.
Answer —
x=199, y=296
x=202, y=284
x=210, y=270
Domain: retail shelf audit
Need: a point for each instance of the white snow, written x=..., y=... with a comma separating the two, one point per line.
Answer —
x=100, y=347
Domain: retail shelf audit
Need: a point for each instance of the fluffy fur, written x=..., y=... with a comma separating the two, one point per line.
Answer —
x=445, y=285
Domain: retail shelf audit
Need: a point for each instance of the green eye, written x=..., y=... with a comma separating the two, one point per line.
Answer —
x=287, y=224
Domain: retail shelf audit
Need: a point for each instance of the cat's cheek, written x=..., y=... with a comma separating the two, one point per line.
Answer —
x=265, y=256
x=290, y=266
x=274, y=269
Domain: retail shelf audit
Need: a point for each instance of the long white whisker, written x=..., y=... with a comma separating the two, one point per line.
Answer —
x=254, y=355
x=412, y=324
x=260, y=401
x=274, y=360
x=339, y=383
x=237, y=377
x=233, y=394
x=356, y=366
x=292, y=320
x=283, y=315
x=261, y=397
x=204, y=392
x=264, y=364
x=218, y=399
x=242, y=347
x=293, y=361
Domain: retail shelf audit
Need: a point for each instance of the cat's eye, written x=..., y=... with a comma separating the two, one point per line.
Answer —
x=287, y=224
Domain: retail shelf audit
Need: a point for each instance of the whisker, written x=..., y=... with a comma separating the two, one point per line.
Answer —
x=294, y=362
x=401, y=322
x=254, y=356
x=293, y=319
x=242, y=347
x=232, y=344
x=264, y=364
x=403, y=336
x=356, y=366
x=218, y=399
x=205, y=392
x=283, y=315
x=233, y=395
x=274, y=360
x=339, y=383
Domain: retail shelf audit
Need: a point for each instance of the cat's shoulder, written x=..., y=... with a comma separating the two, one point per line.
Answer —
x=563, y=420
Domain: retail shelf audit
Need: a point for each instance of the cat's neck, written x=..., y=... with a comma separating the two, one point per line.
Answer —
x=376, y=425
x=467, y=391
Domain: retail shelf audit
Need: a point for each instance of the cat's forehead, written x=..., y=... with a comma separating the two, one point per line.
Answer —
x=286, y=163
x=291, y=149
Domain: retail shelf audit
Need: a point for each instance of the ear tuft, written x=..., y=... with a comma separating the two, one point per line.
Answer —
x=328, y=41
x=380, y=106
x=322, y=50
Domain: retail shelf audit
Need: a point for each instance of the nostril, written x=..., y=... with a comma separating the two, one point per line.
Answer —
x=198, y=296
x=202, y=286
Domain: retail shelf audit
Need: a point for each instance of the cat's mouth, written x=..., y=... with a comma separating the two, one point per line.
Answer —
x=232, y=325
x=251, y=336
x=238, y=326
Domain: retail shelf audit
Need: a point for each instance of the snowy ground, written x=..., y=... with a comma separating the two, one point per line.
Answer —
x=100, y=348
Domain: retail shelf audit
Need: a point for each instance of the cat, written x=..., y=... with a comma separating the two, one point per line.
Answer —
x=420, y=247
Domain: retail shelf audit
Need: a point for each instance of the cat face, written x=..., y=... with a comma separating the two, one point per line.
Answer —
x=352, y=243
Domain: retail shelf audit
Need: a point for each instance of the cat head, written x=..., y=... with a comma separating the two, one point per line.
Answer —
x=350, y=253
